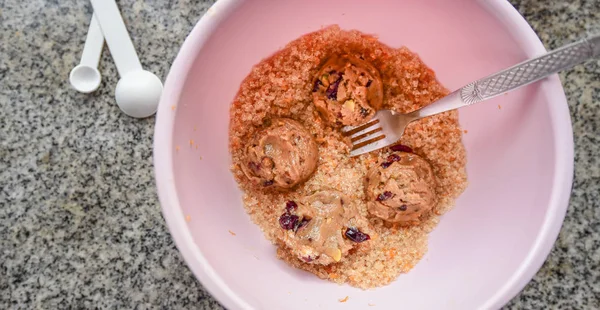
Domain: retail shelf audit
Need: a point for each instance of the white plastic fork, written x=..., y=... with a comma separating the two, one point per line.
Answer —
x=387, y=126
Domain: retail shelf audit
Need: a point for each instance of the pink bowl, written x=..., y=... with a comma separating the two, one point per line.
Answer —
x=519, y=146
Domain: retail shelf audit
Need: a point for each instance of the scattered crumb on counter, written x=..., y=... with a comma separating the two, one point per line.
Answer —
x=195, y=128
x=345, y=299
x=177, y=148
x=232, y=233
x=499, y=107
x=196, y=146
x=200, y=157
x=191, y=142
x=173, y=107
x=188, y=218
x=371, y=305
x=466, y=131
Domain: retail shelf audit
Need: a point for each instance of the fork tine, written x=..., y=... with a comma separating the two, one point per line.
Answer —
x=360, y=137
x=367, y=142
x=369, y=146
x=349, y=131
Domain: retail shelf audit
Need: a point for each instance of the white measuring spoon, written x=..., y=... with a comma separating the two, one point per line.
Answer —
x=138, y=91
x=85, y=77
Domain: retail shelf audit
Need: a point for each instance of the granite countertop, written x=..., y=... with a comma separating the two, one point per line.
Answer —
x=80, y=223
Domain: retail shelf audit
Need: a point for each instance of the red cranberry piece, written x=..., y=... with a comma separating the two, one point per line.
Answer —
x=401, y=148
x=386, y=164
x=394, y=157
x=316, y=86
x=254, y=166
x=369, y=83
x=384, y=196
x=301, y=223
x=332, y=90
x=403, y=207
x=268, y=183
x=288, y=221
x=307, y=259
x=291, y=206
x=356, y=235
x=364, y=112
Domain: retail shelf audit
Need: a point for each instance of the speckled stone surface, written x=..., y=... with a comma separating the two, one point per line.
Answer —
x=80, y=223
x=570, y=277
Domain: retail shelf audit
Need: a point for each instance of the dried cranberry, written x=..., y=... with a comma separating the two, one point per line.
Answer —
x=364, y=112
x=403, y=208
x=290, y=206
x=394, y=157
x=332, y=72
x=386, y=164
x=369, y=83
x=356, y=235
x=268, y=183
x=254, y=166
x=401, y=148
x=384, y=196
x=317, y=84
x=301, y=223
x=288, y=221
x=307, y=259
x=332, y=90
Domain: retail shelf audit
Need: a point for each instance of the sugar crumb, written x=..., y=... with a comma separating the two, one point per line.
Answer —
x=438, y=139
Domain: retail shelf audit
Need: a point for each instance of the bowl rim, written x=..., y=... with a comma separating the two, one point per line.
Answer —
x=175, y=218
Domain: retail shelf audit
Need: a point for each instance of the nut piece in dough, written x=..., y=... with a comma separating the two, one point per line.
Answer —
x=347, y=91
x=280, y=156
x=322, y=227
x=400, y=188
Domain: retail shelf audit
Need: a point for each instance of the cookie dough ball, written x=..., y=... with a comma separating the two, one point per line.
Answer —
x=347, y=91
x=323, y=227
x=280, y=156
x=400, y=188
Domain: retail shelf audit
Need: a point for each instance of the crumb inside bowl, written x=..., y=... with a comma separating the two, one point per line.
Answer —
x=519, y=158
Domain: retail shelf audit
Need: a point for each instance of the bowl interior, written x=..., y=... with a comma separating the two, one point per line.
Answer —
x=477, y=253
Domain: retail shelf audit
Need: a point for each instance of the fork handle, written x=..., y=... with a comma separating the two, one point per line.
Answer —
x=516, y=76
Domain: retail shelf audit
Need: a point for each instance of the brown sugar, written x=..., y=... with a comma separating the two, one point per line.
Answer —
x=280, y=86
